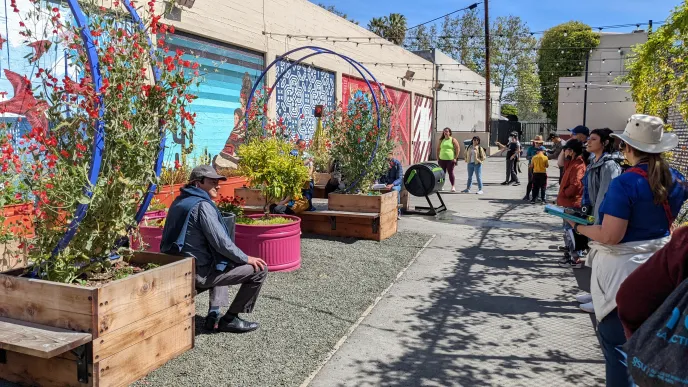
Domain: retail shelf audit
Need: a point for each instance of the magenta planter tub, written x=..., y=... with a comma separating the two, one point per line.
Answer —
x=279, y=245
x=151, y=236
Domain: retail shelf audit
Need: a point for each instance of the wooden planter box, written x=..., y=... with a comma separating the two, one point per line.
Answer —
x=137, y=323
x=355, y=219
x=167, y=193
x=320, y=178
x=252, y=197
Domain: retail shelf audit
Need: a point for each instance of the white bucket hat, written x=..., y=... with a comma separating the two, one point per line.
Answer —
x=646, y=133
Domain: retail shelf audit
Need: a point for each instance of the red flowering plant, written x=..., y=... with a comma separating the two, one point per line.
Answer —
x=135, y=110
x=355, y=135
x=260, y=125
x=231, y=204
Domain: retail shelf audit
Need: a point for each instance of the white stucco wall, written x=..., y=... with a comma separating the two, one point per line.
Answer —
x=602, y=87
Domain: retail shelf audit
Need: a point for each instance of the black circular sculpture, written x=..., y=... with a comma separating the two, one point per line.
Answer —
x=423, y=180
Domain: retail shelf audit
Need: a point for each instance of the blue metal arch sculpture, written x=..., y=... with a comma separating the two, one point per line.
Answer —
x=355, y=64
x=99, y=139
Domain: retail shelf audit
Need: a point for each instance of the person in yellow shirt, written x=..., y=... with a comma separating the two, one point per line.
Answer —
x=539, y=165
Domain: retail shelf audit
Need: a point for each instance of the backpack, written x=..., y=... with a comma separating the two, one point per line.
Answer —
x=656, y=353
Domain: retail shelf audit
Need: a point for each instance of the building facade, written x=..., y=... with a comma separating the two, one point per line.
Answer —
x=609, y=103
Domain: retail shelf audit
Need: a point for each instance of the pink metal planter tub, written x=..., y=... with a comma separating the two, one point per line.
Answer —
x=150, y=235
x=279, y=245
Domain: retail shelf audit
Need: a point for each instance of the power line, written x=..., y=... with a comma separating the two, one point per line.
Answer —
x=472, y=6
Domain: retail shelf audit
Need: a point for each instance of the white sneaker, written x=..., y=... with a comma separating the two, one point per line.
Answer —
x=584, y=298
x=587, y=307
x=479, y=192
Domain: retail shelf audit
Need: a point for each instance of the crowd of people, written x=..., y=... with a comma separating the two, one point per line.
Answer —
x=633, y=196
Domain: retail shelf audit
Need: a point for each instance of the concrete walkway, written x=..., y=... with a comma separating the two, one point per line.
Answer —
x=484, y=305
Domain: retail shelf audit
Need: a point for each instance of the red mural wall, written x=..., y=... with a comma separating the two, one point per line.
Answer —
x=422, y=128
x=401, y=118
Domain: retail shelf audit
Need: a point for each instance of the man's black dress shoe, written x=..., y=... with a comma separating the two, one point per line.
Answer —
x=236, y=325
x=211, y=321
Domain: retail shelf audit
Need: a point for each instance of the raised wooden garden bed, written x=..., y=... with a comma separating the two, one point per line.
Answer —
x=371, y=217
x=320, y=178
x=252, y=197
x=107, y=336
x=166, y=194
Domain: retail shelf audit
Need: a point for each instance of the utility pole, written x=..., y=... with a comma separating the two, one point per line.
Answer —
x=585, y=88
x=488, y=101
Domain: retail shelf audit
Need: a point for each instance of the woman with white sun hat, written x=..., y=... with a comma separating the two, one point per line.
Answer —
x=637, y=215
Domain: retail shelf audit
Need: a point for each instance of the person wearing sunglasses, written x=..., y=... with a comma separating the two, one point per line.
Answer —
x=636, y=218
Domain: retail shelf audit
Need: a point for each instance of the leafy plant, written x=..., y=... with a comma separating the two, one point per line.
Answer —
x=355, y=137
x=233, y=205
x=562, y=53
x=319, y=148
x=156, y=205
x=134, y=110
x=268, y=165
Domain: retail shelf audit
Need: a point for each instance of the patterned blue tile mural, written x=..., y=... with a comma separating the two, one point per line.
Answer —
x=228, y=73
x=297, y=94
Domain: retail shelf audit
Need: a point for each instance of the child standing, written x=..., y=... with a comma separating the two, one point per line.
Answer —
x=539, y=165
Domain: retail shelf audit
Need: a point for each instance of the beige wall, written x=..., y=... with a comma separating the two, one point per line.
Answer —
x=242, y=23
x=601, y=87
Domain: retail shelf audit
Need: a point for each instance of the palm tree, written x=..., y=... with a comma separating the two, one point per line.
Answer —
x=396, y=28
x=378, y=26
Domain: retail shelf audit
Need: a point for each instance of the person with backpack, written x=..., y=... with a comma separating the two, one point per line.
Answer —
x=605, y=166
x=571, y=194
x=636, y=216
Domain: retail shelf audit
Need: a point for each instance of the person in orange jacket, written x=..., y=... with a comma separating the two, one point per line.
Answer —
x=570, y=195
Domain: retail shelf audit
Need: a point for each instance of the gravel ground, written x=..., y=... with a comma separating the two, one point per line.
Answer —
x=302, y=314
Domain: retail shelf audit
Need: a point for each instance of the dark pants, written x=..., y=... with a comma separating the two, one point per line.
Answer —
x=511, y=170
x=561, y=173
x=539, y=185
x=529, y=186
x=244, y=275
x=281, y=210
x=611, y=335
x=448, y=168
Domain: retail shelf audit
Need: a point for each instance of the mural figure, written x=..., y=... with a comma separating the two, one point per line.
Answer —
x=228, y=159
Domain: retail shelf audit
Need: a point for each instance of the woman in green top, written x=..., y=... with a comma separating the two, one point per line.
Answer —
x=448, y=154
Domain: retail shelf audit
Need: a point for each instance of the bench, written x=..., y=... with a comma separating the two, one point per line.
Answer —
x=44, y=342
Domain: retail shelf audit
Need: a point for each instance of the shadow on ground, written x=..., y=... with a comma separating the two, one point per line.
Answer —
x=494, y=318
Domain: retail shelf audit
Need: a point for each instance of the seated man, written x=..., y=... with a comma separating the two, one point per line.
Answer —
x=194, y=227
x=394, y=177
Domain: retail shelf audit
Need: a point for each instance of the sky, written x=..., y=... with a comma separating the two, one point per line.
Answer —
x=538, y=14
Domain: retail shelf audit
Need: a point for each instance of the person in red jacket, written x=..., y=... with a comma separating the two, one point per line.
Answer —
x=570, y=195
x=658, y=277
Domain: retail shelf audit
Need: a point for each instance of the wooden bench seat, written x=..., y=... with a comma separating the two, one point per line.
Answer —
x=39, y=340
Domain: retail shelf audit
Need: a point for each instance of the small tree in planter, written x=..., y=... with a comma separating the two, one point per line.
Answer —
x=268, y=166
x=355, y=137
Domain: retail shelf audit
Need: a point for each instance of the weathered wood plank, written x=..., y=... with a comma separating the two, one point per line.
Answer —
x=123, y=302
x=363, y=203
x=38, y=340
x=140, y=359
x=339, y=214
x=47, y=303
x=33, y=371
x=144, y=257
x=120, y=339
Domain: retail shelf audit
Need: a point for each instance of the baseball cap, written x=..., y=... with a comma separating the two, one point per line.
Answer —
x=205, y=171
x=580, y=129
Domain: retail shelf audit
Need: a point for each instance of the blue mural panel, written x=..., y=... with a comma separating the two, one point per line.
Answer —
x=297, y=94
x=227, y=75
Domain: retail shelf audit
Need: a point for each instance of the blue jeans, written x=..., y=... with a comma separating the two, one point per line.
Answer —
x=478, y=170
x=398, y=189
x=611, y=335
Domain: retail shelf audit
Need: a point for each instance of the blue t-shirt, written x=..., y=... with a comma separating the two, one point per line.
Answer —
x=629, y=197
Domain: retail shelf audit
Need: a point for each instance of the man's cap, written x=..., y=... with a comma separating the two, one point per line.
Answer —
x=205, y=171
x=552, y=135
x=580, y=129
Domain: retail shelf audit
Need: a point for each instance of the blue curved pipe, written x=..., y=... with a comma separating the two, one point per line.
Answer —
x=357, y=65
x=99, y=139
x=161, y=148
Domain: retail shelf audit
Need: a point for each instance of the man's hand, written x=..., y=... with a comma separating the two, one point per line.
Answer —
x=257, y=263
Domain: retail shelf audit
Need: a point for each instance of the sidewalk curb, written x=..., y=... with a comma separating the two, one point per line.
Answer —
x=365, y=314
